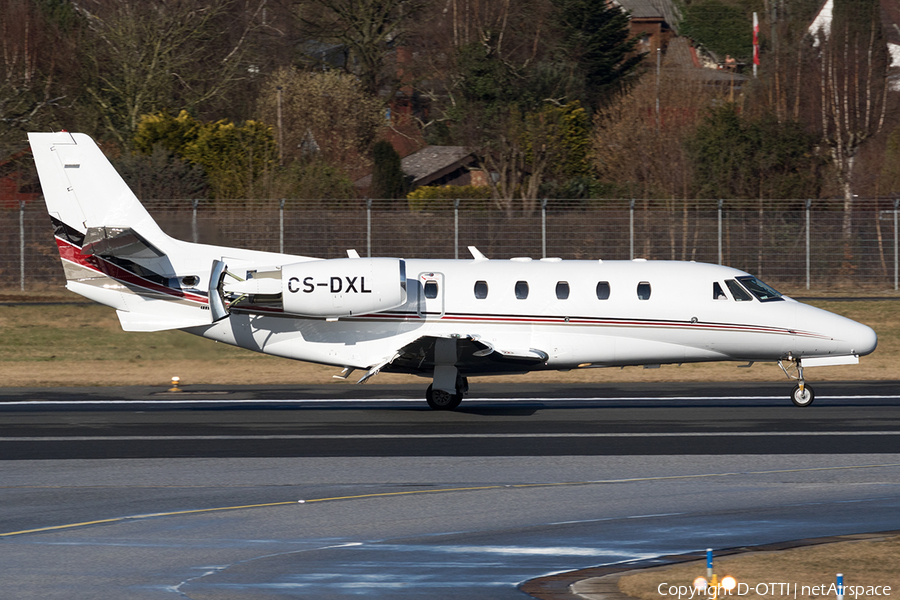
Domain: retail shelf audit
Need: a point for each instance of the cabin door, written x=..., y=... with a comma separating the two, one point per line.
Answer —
x=431, y=295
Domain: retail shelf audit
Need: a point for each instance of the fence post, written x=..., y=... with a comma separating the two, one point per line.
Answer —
x=721, y=258
x=631, y=230
x=22, y=244
x=896, y=239
x=195, y=234
x=544, y=228
x=369, y=227
x=808, y=204
x=281, y=226
x=456, y=229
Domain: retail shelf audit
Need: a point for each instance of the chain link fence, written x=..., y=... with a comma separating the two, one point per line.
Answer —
x=797, y=242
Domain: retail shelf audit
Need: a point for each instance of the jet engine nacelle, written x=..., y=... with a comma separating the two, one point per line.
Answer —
x=342, y=287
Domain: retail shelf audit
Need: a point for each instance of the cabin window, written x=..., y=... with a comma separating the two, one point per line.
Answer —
x=739, y=293
x=763, y=292
x=603, y=290
x=643, y=290
x=718, y=294
x=431, y=289
x=562, y=290
x=481, y=290
x=521, y=290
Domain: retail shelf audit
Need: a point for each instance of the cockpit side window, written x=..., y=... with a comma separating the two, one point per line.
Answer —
x=759, y=289
x=718, y=294
x=739, y=293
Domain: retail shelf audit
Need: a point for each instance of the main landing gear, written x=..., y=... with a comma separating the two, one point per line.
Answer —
x=444, y=400
x=802, y=394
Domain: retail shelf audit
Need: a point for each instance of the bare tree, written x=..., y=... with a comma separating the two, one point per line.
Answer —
x=323, y=114
x=368, y=29
x=641, y=148
x=163, y=54
x=33, y=61
x=851, y=65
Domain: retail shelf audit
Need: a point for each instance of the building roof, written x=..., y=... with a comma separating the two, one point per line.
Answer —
x=429, y=164
x=652, y=9
x=433, y=162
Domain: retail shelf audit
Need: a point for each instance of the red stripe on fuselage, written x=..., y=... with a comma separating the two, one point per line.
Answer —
x=599, y=321
x=72, y=253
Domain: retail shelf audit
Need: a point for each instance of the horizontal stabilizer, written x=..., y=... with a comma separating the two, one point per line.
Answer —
x=121, y=242
x=144, y=322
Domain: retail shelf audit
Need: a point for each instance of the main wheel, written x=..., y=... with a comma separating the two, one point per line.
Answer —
x=442, y=400
x=804, y=398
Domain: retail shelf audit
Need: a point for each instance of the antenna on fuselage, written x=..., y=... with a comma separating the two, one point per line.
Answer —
x=476, y=253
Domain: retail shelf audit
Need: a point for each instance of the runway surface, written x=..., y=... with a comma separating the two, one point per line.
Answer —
x=130, y=492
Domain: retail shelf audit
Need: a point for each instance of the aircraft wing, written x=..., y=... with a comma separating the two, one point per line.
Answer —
x=473, y=355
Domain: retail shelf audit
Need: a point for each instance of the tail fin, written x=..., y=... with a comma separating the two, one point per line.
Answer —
x=83, y=190
x=112, y=250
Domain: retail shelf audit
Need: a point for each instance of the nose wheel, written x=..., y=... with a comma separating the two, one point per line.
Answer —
x=802, y=394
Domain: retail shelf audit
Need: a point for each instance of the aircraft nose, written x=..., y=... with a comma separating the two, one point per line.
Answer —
x=861, y=338
x=848, y=336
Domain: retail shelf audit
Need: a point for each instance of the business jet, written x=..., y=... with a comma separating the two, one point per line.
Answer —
x=445, y=320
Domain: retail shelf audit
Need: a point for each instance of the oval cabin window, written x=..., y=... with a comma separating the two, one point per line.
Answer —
x=481, y=290
x=603, y=290
x=562, y=290
x=431, y=289
x=643, y=290
x=521, y=290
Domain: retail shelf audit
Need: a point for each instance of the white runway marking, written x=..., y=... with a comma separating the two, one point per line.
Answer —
x=175, y=400
x=432, y=436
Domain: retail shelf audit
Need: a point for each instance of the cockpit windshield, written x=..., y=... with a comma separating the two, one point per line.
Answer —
x=759, y=289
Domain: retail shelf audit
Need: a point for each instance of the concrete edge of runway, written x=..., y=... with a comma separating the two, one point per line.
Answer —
x=602, y=583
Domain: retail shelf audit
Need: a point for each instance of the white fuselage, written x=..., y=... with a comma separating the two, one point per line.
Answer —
x=679, y=322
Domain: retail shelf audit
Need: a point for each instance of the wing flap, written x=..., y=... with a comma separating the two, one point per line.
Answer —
x=473, y=355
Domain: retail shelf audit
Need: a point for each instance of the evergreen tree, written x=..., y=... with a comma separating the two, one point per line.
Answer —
x=721, y=28
x=737, y=159
x=596, y=41
x=388, y=179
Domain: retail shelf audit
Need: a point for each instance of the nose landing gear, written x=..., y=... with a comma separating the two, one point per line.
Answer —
x=802, y=394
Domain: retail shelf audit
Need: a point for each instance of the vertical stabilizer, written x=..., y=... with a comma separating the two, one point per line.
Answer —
x=83, y=190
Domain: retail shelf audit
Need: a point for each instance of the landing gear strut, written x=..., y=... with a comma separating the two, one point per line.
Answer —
x=444, y=400
x=802, y=394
